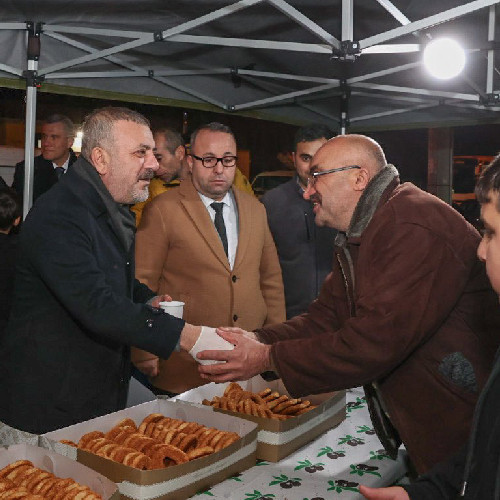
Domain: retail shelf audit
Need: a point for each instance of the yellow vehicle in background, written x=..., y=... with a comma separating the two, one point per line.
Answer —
x=466, y=171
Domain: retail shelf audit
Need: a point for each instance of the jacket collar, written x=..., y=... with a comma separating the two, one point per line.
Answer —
x=85, y=182
x=370, y=200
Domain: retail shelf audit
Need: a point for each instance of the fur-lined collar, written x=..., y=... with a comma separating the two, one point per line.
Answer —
x=368, y=203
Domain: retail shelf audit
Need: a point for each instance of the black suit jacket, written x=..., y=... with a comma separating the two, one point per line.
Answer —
x=304, y=249
x=65, y=354
x=8, y=253
x=44, y=176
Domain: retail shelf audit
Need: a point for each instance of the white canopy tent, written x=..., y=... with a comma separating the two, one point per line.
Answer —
x=349, y=63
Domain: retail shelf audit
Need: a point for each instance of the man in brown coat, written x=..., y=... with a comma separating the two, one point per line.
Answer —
x=403, y=313
x=179, y=251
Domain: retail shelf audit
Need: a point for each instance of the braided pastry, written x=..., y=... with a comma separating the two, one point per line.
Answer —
x=21, y=479
x=157, y=442
x=264, y=404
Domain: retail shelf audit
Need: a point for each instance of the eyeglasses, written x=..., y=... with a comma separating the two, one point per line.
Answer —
x=211, y=161
x=312, y=178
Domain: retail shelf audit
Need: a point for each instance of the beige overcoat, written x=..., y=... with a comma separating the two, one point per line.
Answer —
x=179, y=252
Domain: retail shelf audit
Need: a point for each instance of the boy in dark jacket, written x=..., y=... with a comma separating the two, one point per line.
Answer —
x=10, y=216
x=473, y=473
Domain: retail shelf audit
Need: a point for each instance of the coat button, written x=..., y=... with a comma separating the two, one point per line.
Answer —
x=234, y=278
x=235, y=317
x=149, y=323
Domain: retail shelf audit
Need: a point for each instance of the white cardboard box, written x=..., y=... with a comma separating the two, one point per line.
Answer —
x=278, y=438
x=177, y=482
x=61, y=467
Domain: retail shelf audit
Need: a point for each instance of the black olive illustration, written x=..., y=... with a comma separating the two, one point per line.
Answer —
x=370, y=432
x=295, y=483
x=345, y=484
x=310, y=469
x=317, y=498
x=287, y=484
x=319, y=467
x=366, y=467
x=335, y=455
x=354, y=442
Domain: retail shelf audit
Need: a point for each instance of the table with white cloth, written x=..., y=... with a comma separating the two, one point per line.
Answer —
x=331, y=466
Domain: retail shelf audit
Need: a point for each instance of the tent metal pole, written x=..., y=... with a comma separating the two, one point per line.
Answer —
x=491, y=53
x=344, y=107
x=33, y=54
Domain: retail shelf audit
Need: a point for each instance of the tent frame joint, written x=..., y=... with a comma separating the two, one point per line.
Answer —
x=349, y=51
x=492, y=99
x=158, y=36
x=32, y=78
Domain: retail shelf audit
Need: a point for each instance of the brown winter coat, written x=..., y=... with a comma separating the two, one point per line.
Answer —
x=406, y=305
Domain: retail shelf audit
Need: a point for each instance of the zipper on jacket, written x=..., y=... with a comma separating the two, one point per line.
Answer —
x=308, y=230
x=346, y=284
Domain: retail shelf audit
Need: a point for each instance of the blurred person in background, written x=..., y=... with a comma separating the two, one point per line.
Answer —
x=55, y=158
x=10, y=216
x=305, y=250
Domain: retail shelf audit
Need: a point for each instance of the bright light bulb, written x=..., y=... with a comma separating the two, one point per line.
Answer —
x=444, y=58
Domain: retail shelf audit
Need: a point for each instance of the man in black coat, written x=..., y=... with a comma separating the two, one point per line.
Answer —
x=304, y=249
x=57, y=155
x=77, y=309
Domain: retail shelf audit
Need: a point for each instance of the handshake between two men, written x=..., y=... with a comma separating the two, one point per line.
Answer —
x=224, y=354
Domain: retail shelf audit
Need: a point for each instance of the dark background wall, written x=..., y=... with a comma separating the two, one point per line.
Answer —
x=406, y=149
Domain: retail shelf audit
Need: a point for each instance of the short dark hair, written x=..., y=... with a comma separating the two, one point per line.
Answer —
x=172, y=138
x=58, y=118
x=10, y=208
x=489, y=181
x=213, y=127
x=310, y=133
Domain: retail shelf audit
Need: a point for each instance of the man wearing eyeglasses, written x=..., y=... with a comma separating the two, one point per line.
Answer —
x=407, y=311
x=209, y=246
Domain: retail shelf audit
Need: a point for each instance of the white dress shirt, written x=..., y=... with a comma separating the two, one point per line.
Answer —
x=64, y=165
x=230, y=215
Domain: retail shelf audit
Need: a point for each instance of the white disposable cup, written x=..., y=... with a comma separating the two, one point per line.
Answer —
x=174, y=308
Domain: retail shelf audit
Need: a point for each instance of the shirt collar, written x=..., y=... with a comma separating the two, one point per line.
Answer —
x=228, y=200
x=64, y=165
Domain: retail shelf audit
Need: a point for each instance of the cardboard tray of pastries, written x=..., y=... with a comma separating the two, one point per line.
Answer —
x=30, y=472
x=160, y=449
x=285, y=423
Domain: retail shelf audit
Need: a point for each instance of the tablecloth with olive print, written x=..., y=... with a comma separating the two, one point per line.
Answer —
x=330, y=467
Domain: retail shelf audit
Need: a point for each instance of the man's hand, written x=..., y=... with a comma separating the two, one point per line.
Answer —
x=149, y=367
x=393, y=493
x=155, y=301
x=248, y=358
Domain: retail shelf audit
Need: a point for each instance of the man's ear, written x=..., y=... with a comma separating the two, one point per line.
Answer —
x=71, y=140
x=100, y=159
x=180, y=152
x=189, y=163
x=362, y=178
x=16, y=221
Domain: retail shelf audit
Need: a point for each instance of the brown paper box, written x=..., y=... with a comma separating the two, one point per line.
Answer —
x=61, y=467
x=279, y=438
x=177, y=482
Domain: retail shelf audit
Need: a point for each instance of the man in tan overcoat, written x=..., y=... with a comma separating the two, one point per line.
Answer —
x=233, y=279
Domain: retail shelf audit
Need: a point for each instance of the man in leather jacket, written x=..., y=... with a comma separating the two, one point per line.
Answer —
x=407, y=311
